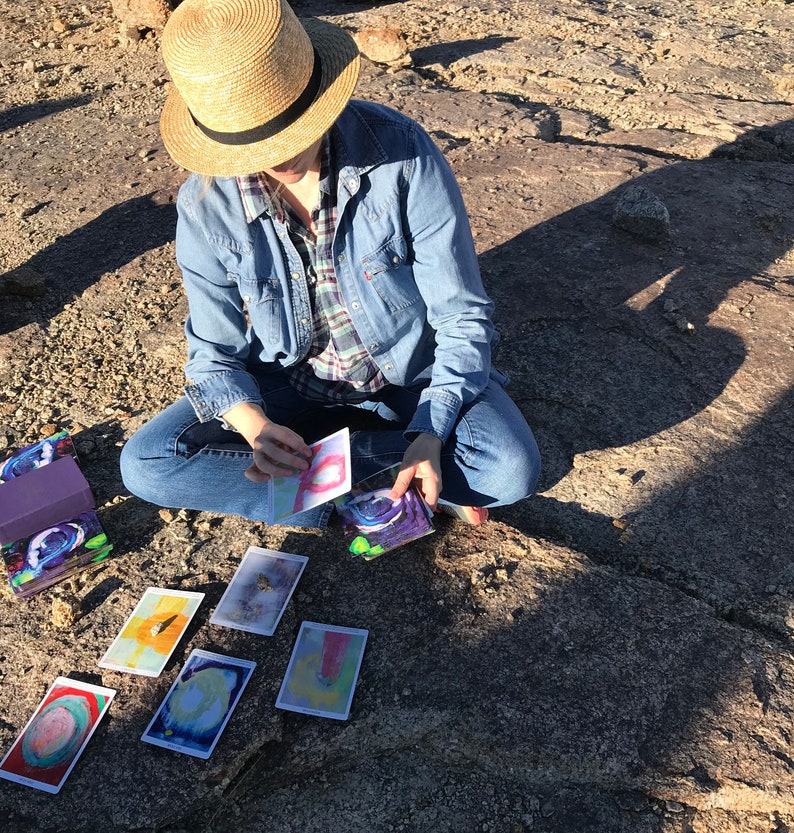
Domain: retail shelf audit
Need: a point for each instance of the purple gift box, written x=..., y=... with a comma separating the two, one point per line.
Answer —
x=42, y=497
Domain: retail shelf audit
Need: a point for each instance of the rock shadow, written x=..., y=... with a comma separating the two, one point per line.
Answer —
x=447, y=53
x=15, y=117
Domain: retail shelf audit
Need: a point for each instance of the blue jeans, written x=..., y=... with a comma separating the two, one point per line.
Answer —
x=490, y=459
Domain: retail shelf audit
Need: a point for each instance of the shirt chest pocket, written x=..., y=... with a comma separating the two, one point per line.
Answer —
x=389, y=272
x=262, y=297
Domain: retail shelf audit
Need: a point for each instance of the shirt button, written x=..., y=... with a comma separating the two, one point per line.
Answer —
x=351, y=183
x=341, y=258
x=295, y=276
x=354, y=305
x=202, y=404
x=395, y=259
x=387, y=367
x=246, y=297
x=304, y=320
x=372, y=346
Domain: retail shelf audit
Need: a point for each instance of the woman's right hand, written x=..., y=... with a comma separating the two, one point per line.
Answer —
x=278, y=450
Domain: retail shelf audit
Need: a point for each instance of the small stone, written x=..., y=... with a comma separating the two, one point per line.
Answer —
x=167, y=515
x=143, y=14
x=263, y=583
x=29, y=67
x=65, y=609
x=23, y=281
x=59, y=26
x=641, y=213
x=48, y=430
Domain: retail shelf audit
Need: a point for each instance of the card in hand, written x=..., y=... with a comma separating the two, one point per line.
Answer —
x=327, y=477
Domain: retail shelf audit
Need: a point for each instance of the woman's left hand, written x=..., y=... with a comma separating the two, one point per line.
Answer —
x=422, y=462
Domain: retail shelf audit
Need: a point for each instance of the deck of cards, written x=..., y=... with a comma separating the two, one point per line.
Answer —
x=48, y=527
x=373, y=523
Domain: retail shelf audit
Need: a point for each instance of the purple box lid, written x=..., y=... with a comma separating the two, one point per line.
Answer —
x=42, y=497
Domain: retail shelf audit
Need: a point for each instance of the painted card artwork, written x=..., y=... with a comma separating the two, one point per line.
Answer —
x=326, y=478
x=322, y=672
x=35, y=456
x=259, y=591
x=49, y=555
x=199, y=704
x=54, y=738
x=373, y=523
x=153, y=630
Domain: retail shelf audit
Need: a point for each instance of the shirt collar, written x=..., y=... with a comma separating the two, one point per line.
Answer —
x=259, y=197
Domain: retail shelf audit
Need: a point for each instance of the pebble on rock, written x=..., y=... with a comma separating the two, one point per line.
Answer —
x=65, y=609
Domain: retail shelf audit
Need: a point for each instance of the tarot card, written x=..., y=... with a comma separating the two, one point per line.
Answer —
x=199, y=703
x=41, y=560
x=374, y=524
x=153, y=630
x=322, y=671
x=259, y=591
x=37, y=455
x=326, y=478
x=54, y=738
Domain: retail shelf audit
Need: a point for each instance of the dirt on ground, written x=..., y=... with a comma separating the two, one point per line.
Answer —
x=613, y=654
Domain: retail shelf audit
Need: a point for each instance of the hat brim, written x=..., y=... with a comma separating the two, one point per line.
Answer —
x=189, y=147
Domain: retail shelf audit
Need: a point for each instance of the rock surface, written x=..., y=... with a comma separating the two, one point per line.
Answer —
x=613, y=654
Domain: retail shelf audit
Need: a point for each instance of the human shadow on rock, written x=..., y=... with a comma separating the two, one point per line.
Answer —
x=612, y=340
x=600, y=360
x=78, y=259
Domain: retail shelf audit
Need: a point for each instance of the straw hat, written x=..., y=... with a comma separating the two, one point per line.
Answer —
x=252, y=87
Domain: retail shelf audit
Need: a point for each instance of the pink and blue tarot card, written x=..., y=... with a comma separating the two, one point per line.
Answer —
x=152, y=631
x=322, y=672
x=259, y=591
x=54, y=738
x=327, y=477
x=199, y=704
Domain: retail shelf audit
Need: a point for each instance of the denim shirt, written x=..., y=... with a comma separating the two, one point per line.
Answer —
x=404, y=260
